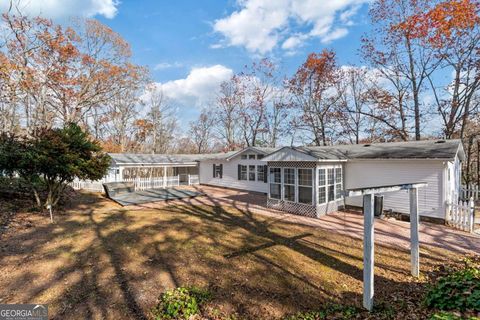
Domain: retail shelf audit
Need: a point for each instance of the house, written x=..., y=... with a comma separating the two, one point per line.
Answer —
x=311, y=180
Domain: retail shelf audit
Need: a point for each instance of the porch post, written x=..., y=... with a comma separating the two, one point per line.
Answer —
x=164, y=176
x=368, y=251
x=414, y=236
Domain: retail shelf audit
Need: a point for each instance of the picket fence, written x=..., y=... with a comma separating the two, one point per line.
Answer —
x=89, y=185
x=462, y=215
x=470, y=191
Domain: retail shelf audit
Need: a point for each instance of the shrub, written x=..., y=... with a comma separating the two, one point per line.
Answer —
x=180, y=303
x=459, y=290
x=333, y=311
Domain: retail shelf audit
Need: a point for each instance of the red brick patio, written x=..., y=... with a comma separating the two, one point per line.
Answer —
x=389, y=232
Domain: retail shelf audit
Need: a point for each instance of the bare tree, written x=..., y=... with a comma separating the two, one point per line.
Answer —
x=201, y=132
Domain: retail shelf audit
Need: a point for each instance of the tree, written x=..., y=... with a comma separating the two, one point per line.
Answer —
x=401, y=60
x=312, y=88
x=229, y=101
x=201, y=131
x=56, y=157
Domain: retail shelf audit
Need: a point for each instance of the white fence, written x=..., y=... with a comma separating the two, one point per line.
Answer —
x=470, y=191
x=462, y=215
x=193, y=179
x=96, y=186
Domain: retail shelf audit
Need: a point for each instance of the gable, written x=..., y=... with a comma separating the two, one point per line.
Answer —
x=289, y=154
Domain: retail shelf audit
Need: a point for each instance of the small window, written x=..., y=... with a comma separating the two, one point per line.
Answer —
x=322, y=194
x=260, y=156
x=251, y=173
x=261, y=173
x=243, y=172
x=244, y=156
x=251, y=156
x=338, y=183
x=218, y=171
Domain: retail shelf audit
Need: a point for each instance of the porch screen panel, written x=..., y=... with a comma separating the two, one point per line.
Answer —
x=331, y=183
x=322, y=185
x=305, y=186
x=275, y=178
x=289, y=184
x=338, y=182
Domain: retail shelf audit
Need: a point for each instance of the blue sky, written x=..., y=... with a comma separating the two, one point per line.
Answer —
x=191, y=46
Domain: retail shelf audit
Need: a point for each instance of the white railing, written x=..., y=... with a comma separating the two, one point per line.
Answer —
x=461, y=215
x=193, y=179
x=470, y=191
x=89, y=185
x=173, y=181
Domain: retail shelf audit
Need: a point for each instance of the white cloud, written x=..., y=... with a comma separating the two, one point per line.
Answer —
x=334, y=35
x=167, y=65
x=199, y=87
x=65, y=8
x=260, y=25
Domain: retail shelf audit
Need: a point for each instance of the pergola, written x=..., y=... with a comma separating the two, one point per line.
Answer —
x=368, y=232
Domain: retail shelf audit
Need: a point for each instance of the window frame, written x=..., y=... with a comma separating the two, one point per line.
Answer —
x=241, y=172
x=294, y=184
x=336, y=185
x=252, y=156
x=272, y=181
x=262, y=167
x=311, y=186
x=218, y=171
x=254, y=172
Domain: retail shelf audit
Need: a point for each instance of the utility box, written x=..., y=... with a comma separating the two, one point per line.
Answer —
x=377, y=206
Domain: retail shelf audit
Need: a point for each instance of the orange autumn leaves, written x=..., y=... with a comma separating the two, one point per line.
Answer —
x=443, y=23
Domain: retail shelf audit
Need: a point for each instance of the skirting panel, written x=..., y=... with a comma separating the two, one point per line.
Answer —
x=291, y=207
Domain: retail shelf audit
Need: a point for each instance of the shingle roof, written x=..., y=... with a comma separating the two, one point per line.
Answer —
x=144, y=158
x=426, y=149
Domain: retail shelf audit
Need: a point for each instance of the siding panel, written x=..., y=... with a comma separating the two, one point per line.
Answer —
x=386, y=172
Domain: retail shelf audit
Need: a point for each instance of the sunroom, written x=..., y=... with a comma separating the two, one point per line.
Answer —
x=302, y=184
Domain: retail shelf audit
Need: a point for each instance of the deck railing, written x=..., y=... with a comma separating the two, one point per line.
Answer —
x=193, y=179
x=89, y=185
x=461, y=215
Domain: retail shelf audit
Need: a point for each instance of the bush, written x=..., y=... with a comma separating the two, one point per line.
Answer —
x=459, y=290
x=333, y=311
x=180, y=303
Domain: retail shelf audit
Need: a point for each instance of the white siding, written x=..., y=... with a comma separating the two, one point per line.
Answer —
x=362, y=173
x=230, y=174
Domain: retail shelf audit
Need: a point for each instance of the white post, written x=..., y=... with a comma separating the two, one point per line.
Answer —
x=368, y=251
x=164, y=176
x=471, y=215
x=414, y=236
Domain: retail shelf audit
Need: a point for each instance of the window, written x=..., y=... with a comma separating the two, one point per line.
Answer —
x=305, y=186
x=243, y=172
x=322, y=193
x=251, y=156
x=331, y=183
x=289, y=184
x=251, y=173
x=218, y=171
x=275, y=178
x=244, y=156
x=338, y=183
x=260, y=156
x=261, y=173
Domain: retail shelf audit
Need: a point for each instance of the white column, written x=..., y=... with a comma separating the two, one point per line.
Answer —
x=414, y=240
x=368, y=251
x=164, y=176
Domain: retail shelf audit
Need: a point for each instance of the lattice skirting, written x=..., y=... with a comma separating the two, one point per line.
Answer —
x=292, y=164
x=295, y=208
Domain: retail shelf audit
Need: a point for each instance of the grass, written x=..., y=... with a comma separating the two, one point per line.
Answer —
x=102, y=261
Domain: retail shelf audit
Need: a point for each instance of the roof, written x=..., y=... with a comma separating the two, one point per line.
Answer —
x=146, y=159
x=426, y=149
x=261, y=150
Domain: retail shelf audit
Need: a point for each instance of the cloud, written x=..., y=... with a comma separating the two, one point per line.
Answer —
x=198, y=88
x=65, y=8
x=167, y=65
x=260, y=25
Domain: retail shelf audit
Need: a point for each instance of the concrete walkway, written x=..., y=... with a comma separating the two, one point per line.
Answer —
x=389, y=232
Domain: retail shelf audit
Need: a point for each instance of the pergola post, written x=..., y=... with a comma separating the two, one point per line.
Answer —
x=368, y=250
x=414, y=236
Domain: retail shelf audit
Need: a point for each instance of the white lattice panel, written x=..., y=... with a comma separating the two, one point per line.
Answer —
x=291, y=207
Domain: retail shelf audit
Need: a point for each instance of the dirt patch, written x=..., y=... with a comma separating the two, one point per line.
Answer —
x=102, y=261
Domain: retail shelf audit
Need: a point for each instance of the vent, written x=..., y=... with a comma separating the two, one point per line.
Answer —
x=440, y=141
